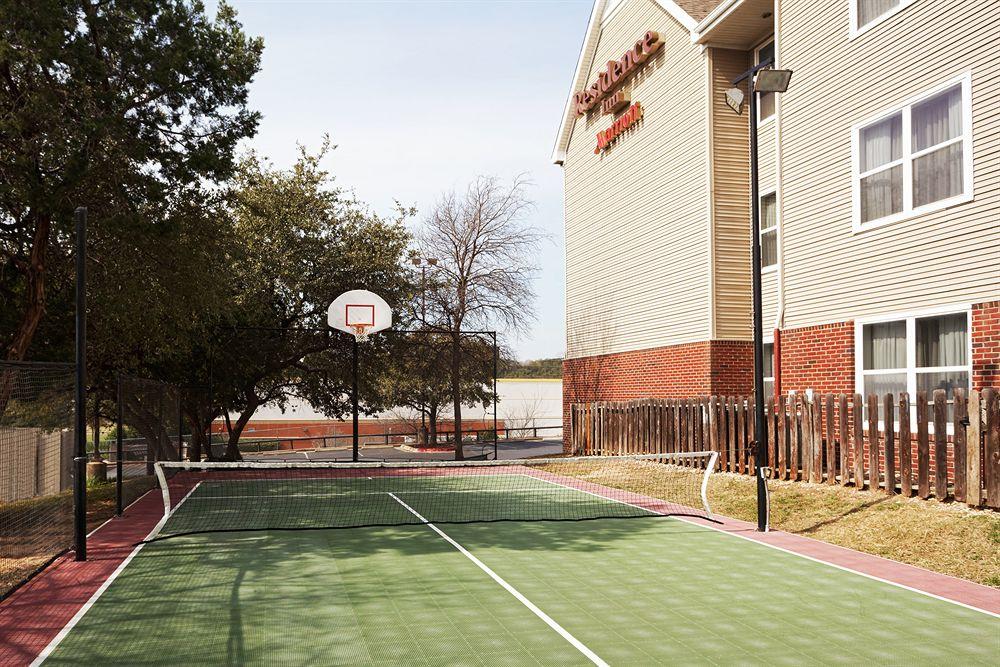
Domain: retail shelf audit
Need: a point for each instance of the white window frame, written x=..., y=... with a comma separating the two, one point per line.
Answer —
x=911, y=370
x=756, y=61
x=909, y=211
x=777, y=229
x=856, y=30
x=769, y=340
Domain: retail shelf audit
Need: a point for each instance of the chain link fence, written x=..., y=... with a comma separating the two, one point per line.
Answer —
x=36, y=467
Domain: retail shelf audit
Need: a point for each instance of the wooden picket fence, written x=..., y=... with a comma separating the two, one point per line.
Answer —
x=831, y=439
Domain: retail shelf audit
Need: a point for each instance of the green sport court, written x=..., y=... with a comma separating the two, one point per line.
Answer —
x=495, y=565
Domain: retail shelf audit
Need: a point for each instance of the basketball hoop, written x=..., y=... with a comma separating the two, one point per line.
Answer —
x=361, y=332
x=359, y=313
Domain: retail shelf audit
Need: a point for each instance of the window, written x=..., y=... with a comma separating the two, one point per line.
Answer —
x=916, y=159
x=912, y=354
x=768, y=370
x=768, y=231
x=869, y=11
x=765, y=105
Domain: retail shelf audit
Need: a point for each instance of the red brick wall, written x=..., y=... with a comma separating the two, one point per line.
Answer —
x=732, y=367
x=819, y=358
x=673, y=371
x=986, y=345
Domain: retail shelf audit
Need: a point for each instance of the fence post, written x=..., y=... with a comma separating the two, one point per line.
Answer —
x=817, y=464
x=923, y=448
x=974, y=442
x=991, y=472
x=961, y=412
x=905, y=447
x=796, y=434
x=781, y=426
x=772, y=436
x=940, y=444
x=845, y=472
x=857, y=412
x=873, y=467
x=889, y=420
x=831, y=442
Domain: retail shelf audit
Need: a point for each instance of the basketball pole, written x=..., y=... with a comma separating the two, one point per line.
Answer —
x=354, y=398
x=80, y=480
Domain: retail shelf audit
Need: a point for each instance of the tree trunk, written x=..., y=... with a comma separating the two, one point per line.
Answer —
x=456, y=392
x=233, y=446
x=432, y=424
x=34, y=291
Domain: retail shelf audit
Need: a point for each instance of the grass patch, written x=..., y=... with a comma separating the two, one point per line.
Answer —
x=949, y=538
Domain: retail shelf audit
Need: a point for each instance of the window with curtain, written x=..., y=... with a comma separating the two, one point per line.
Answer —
x=768, y=369
x=768, y=231
x=765, y=106
x=915, y=354
x=942, y=352
x=870, y=10
x=915, y=158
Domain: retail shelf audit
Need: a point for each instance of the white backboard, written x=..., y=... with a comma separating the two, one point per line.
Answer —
x=359, y=311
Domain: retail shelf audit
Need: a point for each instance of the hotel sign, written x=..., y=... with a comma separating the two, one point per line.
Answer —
x=616, y=71
x=607, y=137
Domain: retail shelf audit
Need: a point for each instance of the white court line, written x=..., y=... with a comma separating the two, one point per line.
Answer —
x=593, y=657
x=47, y=651
x=794, y=553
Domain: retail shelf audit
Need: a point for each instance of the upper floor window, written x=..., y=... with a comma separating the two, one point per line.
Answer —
x=866, y=13
x=768, y=231
x=915, y=159
x=765, y=105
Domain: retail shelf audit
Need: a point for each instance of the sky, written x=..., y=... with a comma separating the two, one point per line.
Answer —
x=420, y=97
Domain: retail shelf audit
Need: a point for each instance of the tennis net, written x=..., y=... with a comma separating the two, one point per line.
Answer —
x=206, y=497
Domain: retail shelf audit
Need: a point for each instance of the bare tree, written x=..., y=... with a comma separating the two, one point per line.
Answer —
x=488, y=260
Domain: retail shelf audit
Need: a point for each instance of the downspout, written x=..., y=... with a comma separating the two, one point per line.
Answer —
x=779, y=318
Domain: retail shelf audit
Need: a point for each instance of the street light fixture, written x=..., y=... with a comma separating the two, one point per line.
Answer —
x=772, y=80
x=423, y=263
x=763, y=79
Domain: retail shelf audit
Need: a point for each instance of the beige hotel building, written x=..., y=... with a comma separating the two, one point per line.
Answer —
x=879, y=195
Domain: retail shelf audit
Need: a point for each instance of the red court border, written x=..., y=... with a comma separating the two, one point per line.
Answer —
x=34, y=614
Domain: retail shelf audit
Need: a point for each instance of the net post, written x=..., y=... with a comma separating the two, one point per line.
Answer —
x=709, y=468
x=80, y=481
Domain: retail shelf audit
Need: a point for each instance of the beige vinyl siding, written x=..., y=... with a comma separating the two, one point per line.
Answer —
x=637, y=269
x=730, y=199
x=944, y=257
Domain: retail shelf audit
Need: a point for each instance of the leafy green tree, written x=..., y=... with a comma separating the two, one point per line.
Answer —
x=302, y=241
x=116, y=104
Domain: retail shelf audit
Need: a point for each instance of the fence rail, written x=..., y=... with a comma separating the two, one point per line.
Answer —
x=930, y=446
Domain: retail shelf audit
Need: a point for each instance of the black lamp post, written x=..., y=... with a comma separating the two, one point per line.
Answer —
x=763, y=79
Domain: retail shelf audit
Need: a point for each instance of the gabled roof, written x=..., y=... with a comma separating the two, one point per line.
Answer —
x=686, y=12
